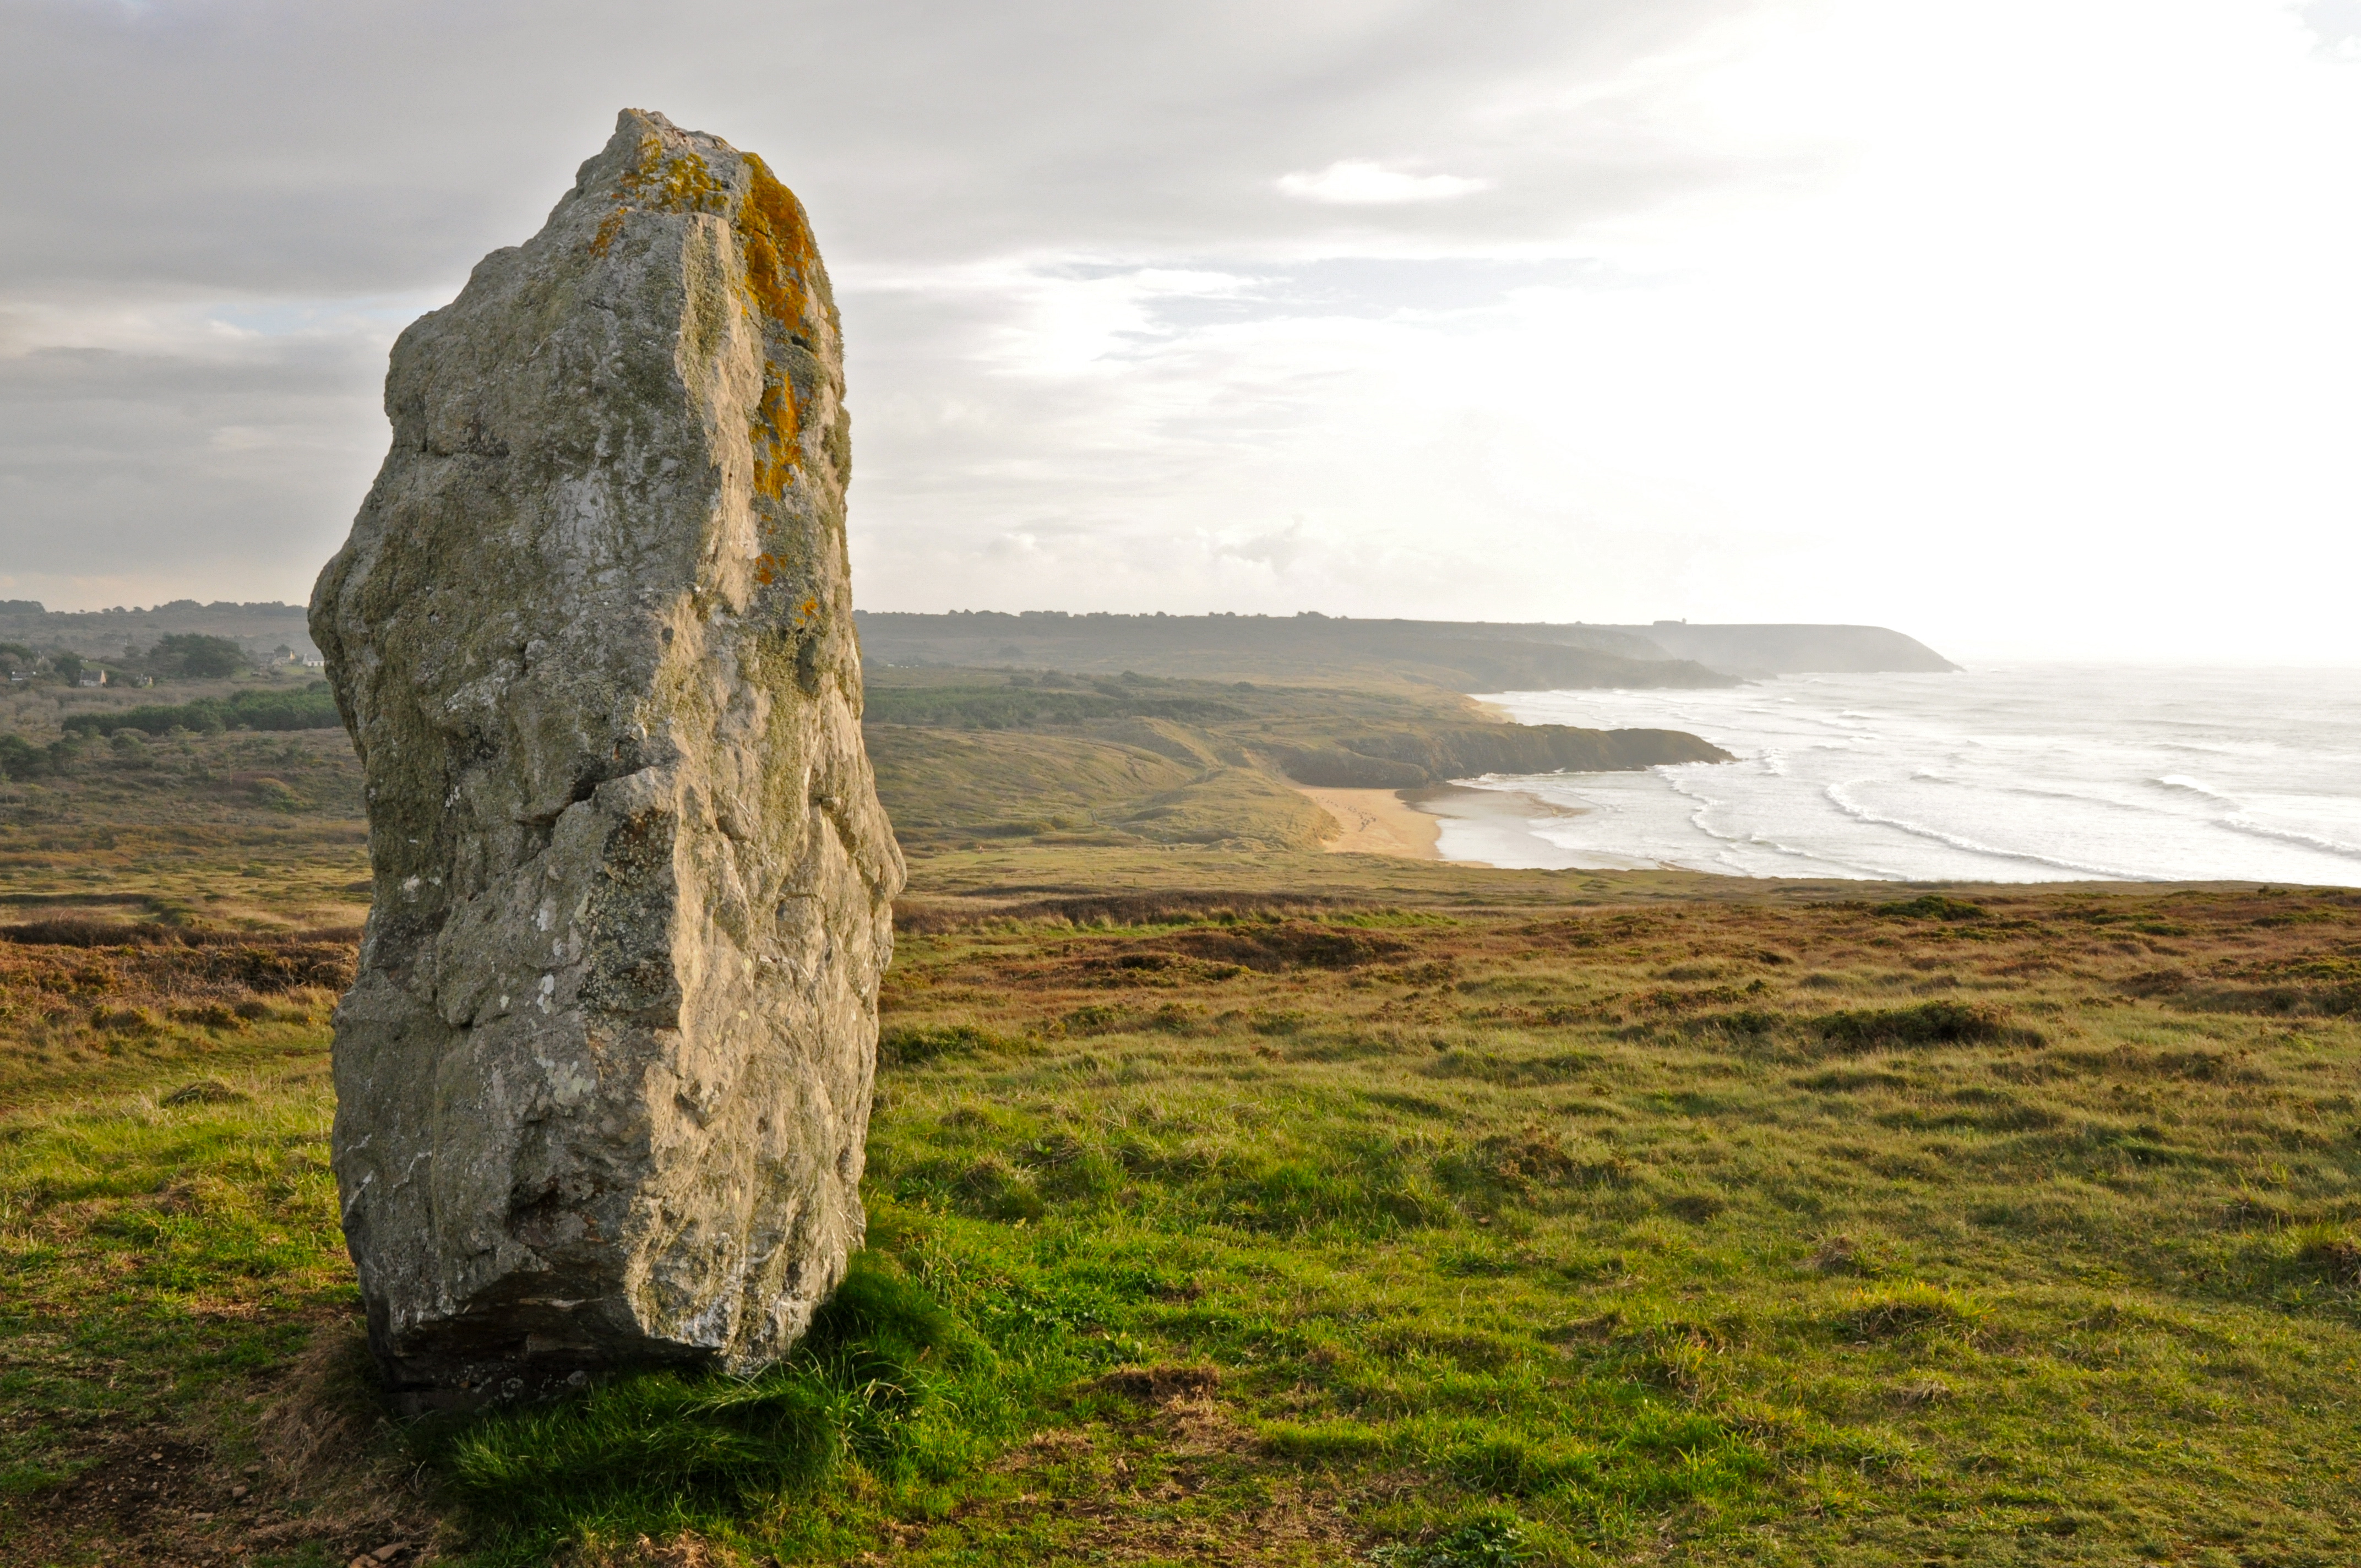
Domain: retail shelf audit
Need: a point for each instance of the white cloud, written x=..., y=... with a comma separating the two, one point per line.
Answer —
x=1351, y=182
x=2026, y=326
x=2031, y=337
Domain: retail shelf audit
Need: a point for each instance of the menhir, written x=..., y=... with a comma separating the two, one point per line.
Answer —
x=603, y=1083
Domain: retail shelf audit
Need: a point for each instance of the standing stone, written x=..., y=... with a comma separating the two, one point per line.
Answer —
x=603, y=1084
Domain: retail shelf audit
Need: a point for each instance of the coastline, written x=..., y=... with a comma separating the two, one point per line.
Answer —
x=2011, y=773
x=1409, y=822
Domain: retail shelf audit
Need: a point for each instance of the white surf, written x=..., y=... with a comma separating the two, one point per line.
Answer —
x=2026, y=773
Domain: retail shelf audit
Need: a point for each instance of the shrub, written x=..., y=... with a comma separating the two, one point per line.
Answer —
x=1927, y=1024
x=312, y=707
x=20, y=759
x=195, y=654
x=1932, y=907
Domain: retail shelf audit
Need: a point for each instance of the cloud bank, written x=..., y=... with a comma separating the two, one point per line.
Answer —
x=2026, y=328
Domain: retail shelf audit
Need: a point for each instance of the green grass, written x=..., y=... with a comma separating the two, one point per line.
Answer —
x=1253, y=1205
x=1419, y=1227
x=663, y=1452
x=153, y=1256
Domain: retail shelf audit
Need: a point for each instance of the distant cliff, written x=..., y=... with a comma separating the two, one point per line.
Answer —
x=1459, y=656
x=1792, y=650
x=1466, y=656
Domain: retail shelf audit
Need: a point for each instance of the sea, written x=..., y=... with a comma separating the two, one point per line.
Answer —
x=2034, y=773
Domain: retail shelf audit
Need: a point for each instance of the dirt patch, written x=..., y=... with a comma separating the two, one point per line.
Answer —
x=1161, y=1383
x=137, y=1482
x=327, y=1480
x=682, y=1551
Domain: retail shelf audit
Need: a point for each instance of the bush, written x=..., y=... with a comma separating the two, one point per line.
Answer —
x=1932, y=907
x=20, y=759
x=1928, y=1024
x=312, y=707
x=195, y=654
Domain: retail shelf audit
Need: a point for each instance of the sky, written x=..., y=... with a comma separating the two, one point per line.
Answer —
x=2028, y=327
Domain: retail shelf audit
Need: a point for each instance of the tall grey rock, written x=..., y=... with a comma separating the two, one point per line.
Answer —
x=603, y=1083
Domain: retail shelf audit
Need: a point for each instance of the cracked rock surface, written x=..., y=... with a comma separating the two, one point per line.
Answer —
x=603, y=1083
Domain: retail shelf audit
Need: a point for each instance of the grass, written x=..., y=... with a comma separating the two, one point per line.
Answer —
x=1550, y=1233
x=668, y=1453
x=1263, y=1207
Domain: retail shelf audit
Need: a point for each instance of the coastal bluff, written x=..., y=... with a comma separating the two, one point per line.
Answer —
x=1467, y=657
x=604, y=1080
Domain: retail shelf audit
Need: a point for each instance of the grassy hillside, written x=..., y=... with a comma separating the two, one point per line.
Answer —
x=1237, y=1202
x=1465, y=656
x=969, y=754
x=1597, y=1225
x=961, y=755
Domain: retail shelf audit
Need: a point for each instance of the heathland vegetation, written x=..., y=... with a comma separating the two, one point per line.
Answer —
x=1232, y=1201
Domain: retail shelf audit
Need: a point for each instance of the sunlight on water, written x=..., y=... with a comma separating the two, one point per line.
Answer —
x=2022, y=775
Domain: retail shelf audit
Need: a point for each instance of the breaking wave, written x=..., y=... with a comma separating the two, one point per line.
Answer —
x=1860, y=813
x=2020, y=774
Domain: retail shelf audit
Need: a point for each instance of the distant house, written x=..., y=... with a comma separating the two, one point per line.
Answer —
x=314, y=662
x=92, y=678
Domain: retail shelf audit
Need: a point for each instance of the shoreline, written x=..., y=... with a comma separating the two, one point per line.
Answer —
x=1375, y=822
x=1408, y=823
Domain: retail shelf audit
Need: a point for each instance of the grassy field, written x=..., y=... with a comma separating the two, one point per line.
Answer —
x=1255, y=1205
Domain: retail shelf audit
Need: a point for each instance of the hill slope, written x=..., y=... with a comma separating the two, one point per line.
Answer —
x=1464, y=656
x=963, y=754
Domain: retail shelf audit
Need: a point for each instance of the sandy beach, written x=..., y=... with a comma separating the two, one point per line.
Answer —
x=1406, y=822
x=1375, y=822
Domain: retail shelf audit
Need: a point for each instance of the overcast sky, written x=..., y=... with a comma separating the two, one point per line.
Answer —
x=2030, y=327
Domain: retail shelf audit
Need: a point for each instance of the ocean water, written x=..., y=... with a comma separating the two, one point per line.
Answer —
x=2026, y=773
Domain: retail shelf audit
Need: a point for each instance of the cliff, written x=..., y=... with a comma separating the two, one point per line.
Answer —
x=1463, y=656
